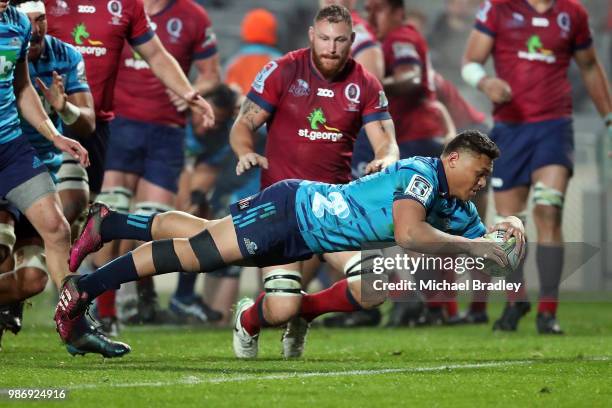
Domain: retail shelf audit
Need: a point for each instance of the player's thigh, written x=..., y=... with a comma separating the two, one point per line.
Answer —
x=150, y=192
x=554, y=176
x=116, y=178
x=512, y=201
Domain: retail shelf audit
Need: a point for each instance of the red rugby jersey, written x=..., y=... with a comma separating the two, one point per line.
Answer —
x=98, y=29
x=532, y=53
x=186, y=32
x=314, y=122
x=414, y=117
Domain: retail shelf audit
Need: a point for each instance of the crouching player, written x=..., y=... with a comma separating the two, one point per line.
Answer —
x=417, y=203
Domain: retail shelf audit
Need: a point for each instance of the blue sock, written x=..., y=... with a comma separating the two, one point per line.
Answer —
x=117, y=225
x=186, y=285
x=109, y=276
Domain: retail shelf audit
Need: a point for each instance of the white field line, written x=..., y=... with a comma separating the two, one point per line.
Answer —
x=193, y=380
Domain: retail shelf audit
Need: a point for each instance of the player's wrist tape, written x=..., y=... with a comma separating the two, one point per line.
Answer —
x=472, y=73
x=47, y=129
x=70, y=114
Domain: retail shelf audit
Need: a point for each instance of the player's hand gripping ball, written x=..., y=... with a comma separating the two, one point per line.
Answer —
x=512, y=252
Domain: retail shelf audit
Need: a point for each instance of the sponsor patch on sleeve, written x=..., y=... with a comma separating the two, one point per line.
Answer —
x=419, y=188
x=260, y=80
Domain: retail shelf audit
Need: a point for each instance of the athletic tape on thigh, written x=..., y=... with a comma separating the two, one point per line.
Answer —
x=544, y=195
x=353, y=269
x=205, y=249
x=521, y=216
x=151, y=207
x=30, y=256
x=7, y=236
x=283, y=282
x=165, y=258
x=71, y=175
x=117, y=198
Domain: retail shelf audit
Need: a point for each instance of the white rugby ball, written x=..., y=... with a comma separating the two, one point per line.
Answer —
x=493, y=268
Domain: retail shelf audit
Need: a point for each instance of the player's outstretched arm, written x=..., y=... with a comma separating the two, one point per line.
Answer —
x=381, y=134
x=76, y=110
x=596, y=83
x=165, y=67
x=32, y=110
x=242, y=136
x=477, y=51
x=414, y=233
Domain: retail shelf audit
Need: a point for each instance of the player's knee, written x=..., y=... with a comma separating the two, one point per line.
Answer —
x=7, y=240
x=283, y=289
x=31, y=270
x=280, y=309
x=54, y=229
x=548, y=203
x=74, y=206
x=355, y=270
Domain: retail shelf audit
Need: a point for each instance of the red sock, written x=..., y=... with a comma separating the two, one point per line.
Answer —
x=452, y=308
x=477, y=307
x=252, y=319
x=337, y=298
x=548, y=305
x=106, y=304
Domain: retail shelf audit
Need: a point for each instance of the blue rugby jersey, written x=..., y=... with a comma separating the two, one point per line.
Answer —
x=338, y=217
x=64, y=59
x=15, y=33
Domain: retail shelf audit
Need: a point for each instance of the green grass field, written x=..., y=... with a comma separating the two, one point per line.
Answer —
x=439, y=366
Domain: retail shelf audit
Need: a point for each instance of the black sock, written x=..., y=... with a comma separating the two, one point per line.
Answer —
x=117, y=225
x=186, y=285
x=109, y=276
x=550, y=268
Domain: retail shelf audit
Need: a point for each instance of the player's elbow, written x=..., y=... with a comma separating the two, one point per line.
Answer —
x=405, y=237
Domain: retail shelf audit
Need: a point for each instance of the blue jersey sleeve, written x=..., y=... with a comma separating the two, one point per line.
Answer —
x=475, y=228
x=76, y=80
x=26, y=35
x=417, y=182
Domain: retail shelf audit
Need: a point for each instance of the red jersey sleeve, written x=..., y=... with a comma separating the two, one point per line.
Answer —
x=206, y=42
x=376, y=105
x=582, y=32
x=486, y=18
x=400, y=50
x=266, y=89
x=140, y=29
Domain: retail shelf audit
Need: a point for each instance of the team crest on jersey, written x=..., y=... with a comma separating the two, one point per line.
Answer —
x=15, y=42
x=299, y=88
x=260, y=80
x=352, y=92
x=419, y=188
x=174, y=26
x=115, y=9
x=564, y=22
x=536, y=51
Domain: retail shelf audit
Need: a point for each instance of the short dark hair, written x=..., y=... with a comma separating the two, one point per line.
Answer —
x=222, y=96
x=395, y=4
x=15, y=3
x=334, y=14
x=474, y=141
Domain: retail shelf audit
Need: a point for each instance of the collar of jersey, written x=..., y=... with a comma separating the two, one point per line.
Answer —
x=442, y=182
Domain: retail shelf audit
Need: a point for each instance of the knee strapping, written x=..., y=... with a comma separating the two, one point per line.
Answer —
x=117, y=198
x=151, y=207
x=544, y=195
x=283, y=282
x=205, y=249
x=7, y=236
x=165, y=258
x=354, y=267
x=30, y=256
x=71, y=175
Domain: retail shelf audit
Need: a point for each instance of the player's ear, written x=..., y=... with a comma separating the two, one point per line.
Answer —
x=453, y=158
x=352, y=37
x=311, y=34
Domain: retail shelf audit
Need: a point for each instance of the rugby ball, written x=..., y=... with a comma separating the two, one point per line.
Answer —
x=493, y=268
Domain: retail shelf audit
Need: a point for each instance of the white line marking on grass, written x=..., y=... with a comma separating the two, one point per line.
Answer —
x=193, y=380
